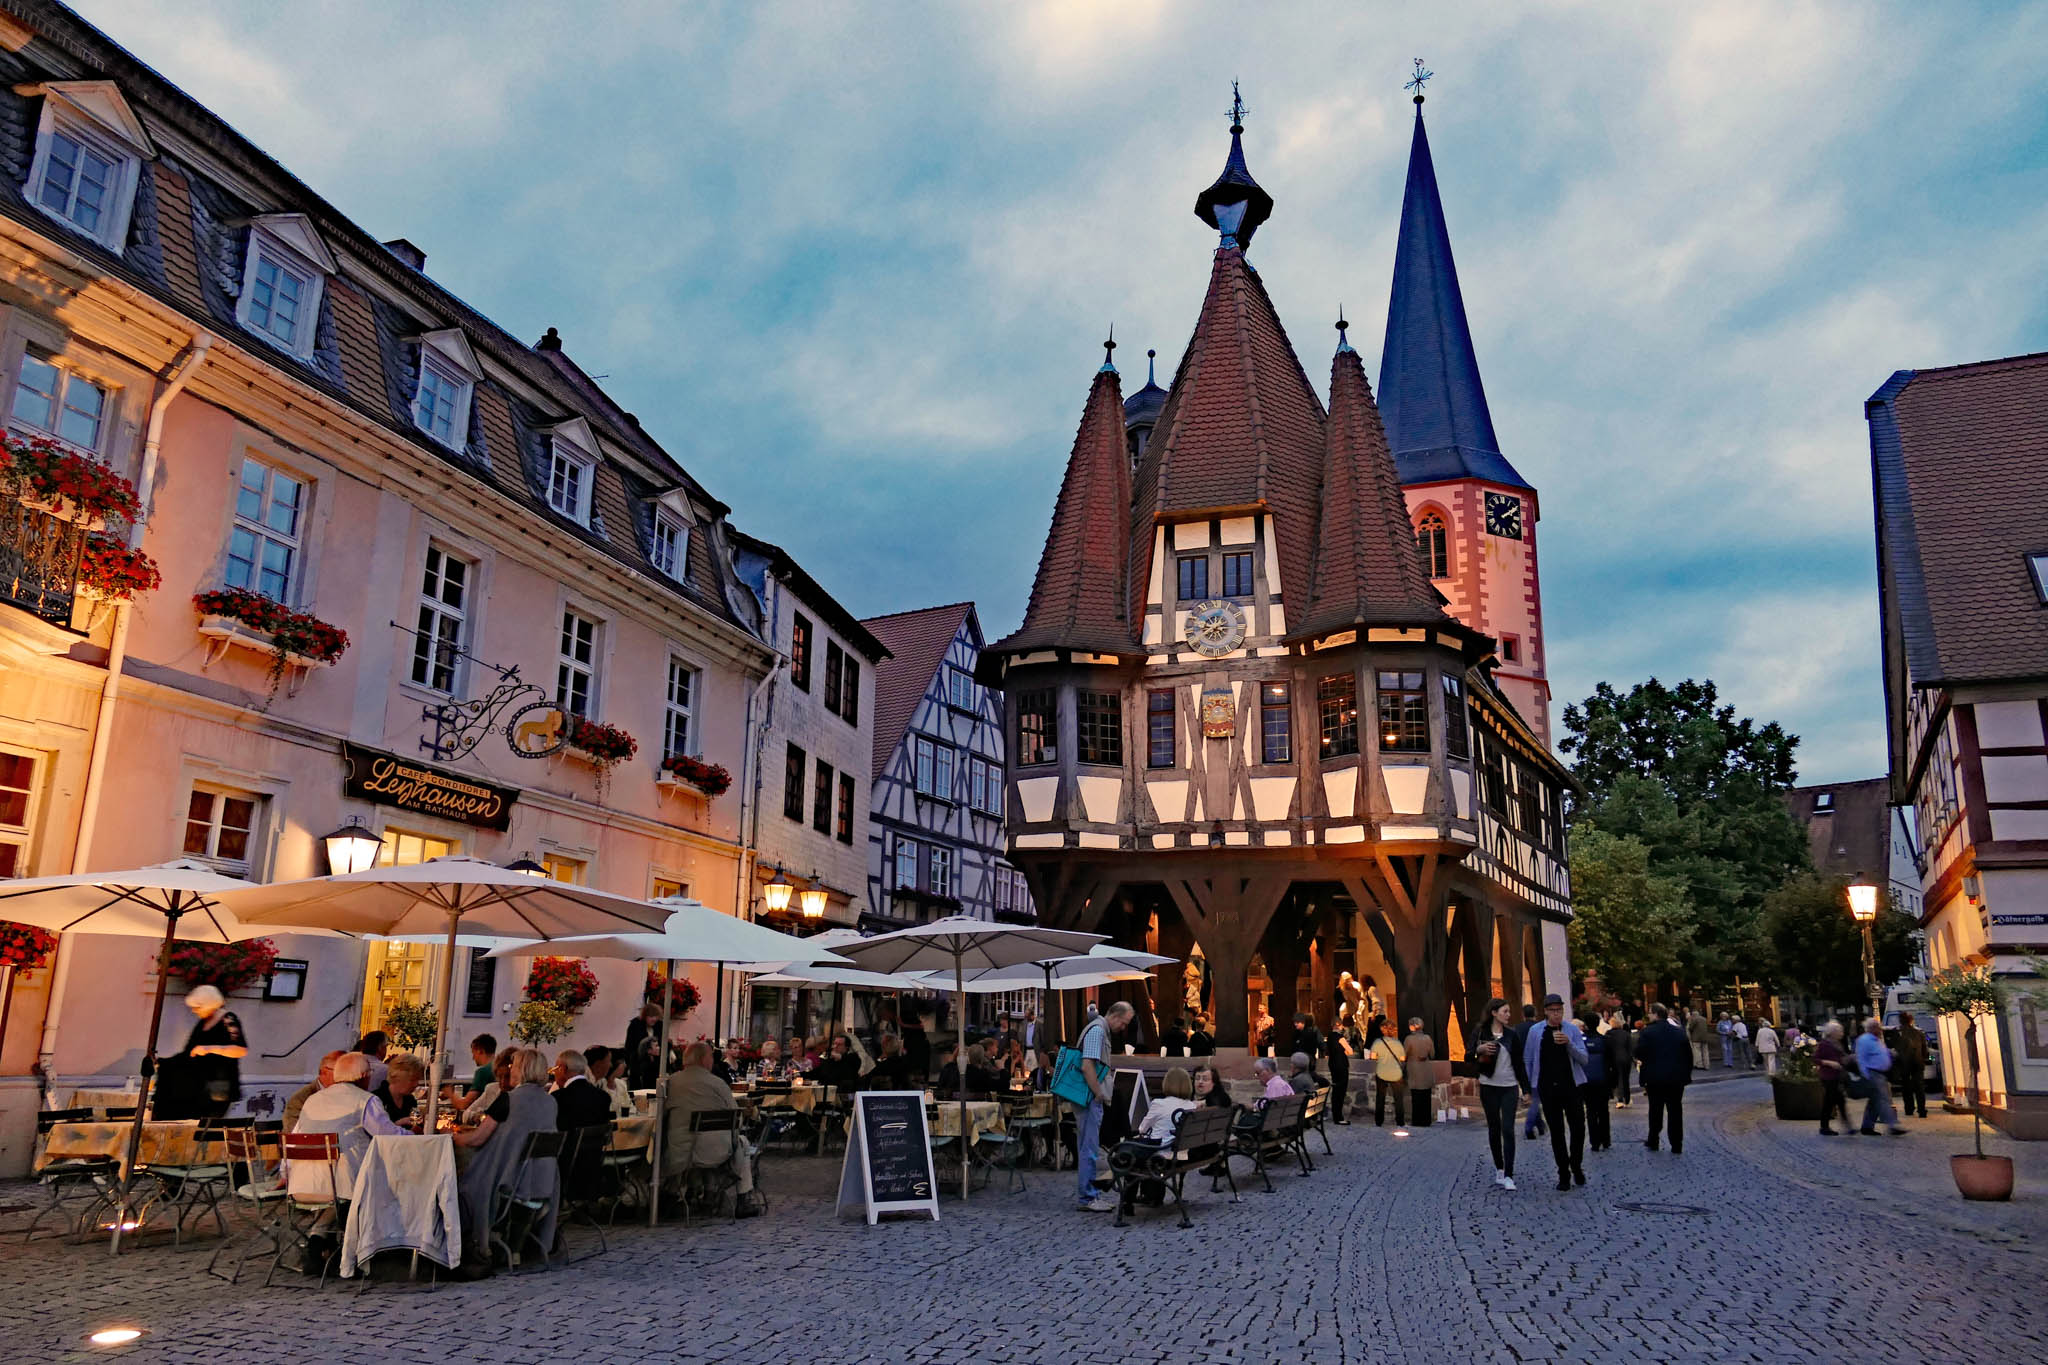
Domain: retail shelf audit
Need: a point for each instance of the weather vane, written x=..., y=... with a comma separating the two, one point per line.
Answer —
x=1416, y=81
x=1236, y=109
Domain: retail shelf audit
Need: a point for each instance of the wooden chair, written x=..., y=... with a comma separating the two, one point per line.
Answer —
x=1314, y=1115
x=300, y=1216
x=1199, y=1136
x=261, y=1192
x=68, y=1176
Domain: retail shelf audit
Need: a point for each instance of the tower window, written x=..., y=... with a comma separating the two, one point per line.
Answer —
x=1455, y=742
x=1099, y=718
x=1431, y=539
x=1510, y=650
x=1276, y=723
x=1337, y=709
x=1037, y=726
x=1404, y=714
x=1159, y=727
x=1237, y=574
x=1194, y=578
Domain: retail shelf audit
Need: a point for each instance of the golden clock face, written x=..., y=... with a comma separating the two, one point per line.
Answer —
x=1215, y=628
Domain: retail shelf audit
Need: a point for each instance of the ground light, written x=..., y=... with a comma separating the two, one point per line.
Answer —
x=115, y=1336
x=1400, y=1132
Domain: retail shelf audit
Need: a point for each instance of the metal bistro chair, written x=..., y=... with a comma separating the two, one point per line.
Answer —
x=300, y=1216
x=717, y=1175
x=783, y=1123
x=68, y=1176
x=1006, y=1151
x=261, y=1192
x=197, y=1187
x=515, y=1216
x=588, y=1182
x=1041, y=1134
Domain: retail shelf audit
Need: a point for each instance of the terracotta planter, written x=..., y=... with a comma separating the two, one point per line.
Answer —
x=1982, y=1177
x=1796, y=1099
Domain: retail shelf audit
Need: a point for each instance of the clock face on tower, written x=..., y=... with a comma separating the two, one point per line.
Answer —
x=1504, y=515
x=1215, y=628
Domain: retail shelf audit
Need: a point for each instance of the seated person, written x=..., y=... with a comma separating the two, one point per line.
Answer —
x=1175, y=1038
x=486, y=1100
x=311, y=1088
x=1302, y=1074
x=604, y=1075
x=1271, y=1086
x=691, y=1090
x=483, y=1050
x=840, y=1067
x=349, y=1111
x=981, y=1082
x=1156, y=1131
x=771, y=1057
x=892, y=1068
x=400, y=1091
x=578, y=1103
x=374, y=1045
x=497, y=1144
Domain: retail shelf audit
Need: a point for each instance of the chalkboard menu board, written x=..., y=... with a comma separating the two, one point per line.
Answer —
x=888, y=1164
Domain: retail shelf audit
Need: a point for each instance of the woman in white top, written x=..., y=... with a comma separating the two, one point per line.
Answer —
x=1177, y=1094
x=1501, y=1084
x=1767, y=1046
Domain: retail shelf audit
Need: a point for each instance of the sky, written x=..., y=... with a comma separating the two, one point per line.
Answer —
x=853, y=265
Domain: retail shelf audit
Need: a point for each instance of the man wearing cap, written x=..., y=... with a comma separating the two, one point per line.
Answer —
x=1554, y=1055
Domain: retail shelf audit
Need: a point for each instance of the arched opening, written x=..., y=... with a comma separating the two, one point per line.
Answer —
x=1433, y=539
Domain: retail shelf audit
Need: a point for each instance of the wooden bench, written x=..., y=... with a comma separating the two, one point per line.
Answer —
x=1199, y=1136
x=1271, y=1130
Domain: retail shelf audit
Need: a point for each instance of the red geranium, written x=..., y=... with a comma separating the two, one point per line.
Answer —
x=608, y=744
x=229, y=966
x=290, y=632
x=683, y=993
x=25, y=947
x=710, y=778
x=114, y=570
x=72, y=484
x=565, y=982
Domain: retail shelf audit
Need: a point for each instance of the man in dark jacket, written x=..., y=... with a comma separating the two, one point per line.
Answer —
x=1599, y=1084
x=1665, y=1055
x=1909, y=1067
x=1340, y=1070
x=1621, y=1049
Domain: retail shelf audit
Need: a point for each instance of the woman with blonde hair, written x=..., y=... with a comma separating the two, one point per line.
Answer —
x=499, y=1146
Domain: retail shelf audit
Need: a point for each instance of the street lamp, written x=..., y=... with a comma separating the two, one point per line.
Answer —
x=812, y=898
x=351, y=848
x=528, y=867
x=776, y=892
x=1863, y=908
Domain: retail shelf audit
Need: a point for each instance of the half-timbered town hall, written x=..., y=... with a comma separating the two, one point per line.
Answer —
x=1276, y=706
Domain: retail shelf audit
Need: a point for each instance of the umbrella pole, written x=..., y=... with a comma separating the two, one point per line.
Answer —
x=156, y=1019
x=668, y=995
x=441, y=1025
x=960, y=1071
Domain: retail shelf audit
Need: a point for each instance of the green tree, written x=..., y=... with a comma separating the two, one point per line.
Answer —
x=1817, y=948
x=1629, y=925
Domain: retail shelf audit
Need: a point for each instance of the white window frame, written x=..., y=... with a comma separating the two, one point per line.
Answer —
x=22, y=837
x=939, y=862
x=440, y=621
x=915, y=850
x=221, y=795
x=675, y=561
x=67, y=376
x=261, y=529
x=289, y=243
x=93, y=115
x=678, y=720
x=447, y=356
x=567, y=665
x=570, y=445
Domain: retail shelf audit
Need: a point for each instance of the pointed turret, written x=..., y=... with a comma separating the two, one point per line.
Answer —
x=1235, y=205
x=1367, y=568
x=1434, y=404
x=1078, y=600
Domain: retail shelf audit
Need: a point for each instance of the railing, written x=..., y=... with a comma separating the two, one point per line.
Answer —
x=39, y=555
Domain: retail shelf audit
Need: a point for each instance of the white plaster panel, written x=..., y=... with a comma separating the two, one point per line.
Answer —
x=1099, y=797
x=2019, y=824
x=1272, y=651
x=1406, y=785
x=1036, y=795
x=1461, y=792
x=2008, y=724
x=1152, y=635
x=1407, y=831
x=1557, y=968
x=1158, y=585
x=1339, y=788
x=1464, y=836
x=1271, y=796
x=1191, y=535
x=1239, y=530
x=1090, y=840
x=1279, y=838
x=1162, y=841
x=1344, y=834
x=1278, y=619
x=1180, y=625
x=1169, y=798
x=1040, y=840
x=1236, y=806
x=1236, y=838
x=2023, y=778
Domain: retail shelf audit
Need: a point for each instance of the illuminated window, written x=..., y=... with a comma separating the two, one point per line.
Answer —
x=1276, y=723
x=1404, y=714
x=1337, y=712
x=220, y=827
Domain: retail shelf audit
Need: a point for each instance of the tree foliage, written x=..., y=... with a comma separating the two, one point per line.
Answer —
x=1817, y=948
x=1630, y=925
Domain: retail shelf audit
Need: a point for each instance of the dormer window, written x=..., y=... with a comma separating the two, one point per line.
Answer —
x=89, y=153
x=282, y=281
x=671, y=548
x=572, y=463
x=448, y=372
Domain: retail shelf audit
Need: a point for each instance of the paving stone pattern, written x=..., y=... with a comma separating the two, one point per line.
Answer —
x=1806, y=1248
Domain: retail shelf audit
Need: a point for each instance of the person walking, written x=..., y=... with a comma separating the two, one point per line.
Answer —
x=1555, y=1059
x=1621, y=1052
x=1388, y=1073
x=1831, y=1062
x=1094, y=1048
x=1532, y=1128
x=1599, y=1083
x=1767, y=1046
x=1502, y=1083
x=1727, y=1042
x=1909, y=1071
x=1666, y=1057
x=1337, y=1052
x=1420, y=1051
x=1738, y=1034
x=1700, y=1032
x=1874, y=1059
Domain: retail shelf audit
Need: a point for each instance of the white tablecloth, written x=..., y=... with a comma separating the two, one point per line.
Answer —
x=404, y=1200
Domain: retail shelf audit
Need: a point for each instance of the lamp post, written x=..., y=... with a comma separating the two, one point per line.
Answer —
x=352, y=848
x=1863, y=907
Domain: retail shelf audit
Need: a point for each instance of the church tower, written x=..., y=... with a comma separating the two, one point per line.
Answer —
x=1474, y=516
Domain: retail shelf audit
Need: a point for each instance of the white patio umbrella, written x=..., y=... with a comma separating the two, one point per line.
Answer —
x=456, y=894
x=172, y=901
x=1101, y=965
x=694, y=932
x=957, y=944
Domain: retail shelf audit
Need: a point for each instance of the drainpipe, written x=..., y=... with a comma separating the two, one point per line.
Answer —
x=750, y=801
x=174, y=380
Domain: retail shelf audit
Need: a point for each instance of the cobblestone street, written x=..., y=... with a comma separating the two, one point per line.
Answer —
x=1798, y=1247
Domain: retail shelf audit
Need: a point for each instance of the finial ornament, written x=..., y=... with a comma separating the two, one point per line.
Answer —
x=1150, y=358
x=1109, y=348
x=1343, y=330
x=1236, y=109
x=1418, y=80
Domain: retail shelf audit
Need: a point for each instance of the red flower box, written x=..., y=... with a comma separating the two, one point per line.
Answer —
x=25, y=947
x=290, y=632
x=68, y=483
x=229, y=966
x=607, y=744
x=710, y=778
x=565, y=982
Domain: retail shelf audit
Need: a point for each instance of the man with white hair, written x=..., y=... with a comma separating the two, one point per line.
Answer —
x=1271, y=1085
x=349, y=1111
x=297, y=1102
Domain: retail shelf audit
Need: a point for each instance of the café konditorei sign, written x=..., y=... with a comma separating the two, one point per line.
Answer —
x=388, y=780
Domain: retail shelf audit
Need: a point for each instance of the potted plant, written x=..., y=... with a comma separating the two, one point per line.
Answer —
x=295, y=639
x=683, y=993
x=412, y=1026
x=1796, y=1089
x=228, y=966
x=538, y=1022
x=567, y=983
x=113, y=571
x=712, y=779
x=1972, y=994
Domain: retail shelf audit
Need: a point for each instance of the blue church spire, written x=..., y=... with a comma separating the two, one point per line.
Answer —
x=1430, y=393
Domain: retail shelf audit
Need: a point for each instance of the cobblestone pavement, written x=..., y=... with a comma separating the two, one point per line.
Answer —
x=1796, y=1248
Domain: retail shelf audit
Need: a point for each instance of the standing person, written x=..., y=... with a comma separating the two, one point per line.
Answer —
x=1201, y=1043
x=1420, y=1051
x=917, y=1047
x=1767, y=1046
x=1700, y=1033
x=1094, y=1048
x=1621, y=1052
x=1875, y=1060
x=1532, y=1128
x=643, y=1048
x=1030, y=1029
x=1388, y=1073
x=1831, y=1062
x=1304, y=1037
x=1502, y=1083
x=1727, y=1042
x=1599, y=1083
x=1666, y=1056
x=1738, y=1034
x=1174, y=1038
x=1555, y=1059
x=1909, y=1071
x=1337, y=1052
x=216, y=1039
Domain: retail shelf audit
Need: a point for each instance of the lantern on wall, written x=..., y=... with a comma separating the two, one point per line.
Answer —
x=352, y=848
x=777, y=892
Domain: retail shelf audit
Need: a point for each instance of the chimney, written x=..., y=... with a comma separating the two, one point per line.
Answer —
x=407, y=252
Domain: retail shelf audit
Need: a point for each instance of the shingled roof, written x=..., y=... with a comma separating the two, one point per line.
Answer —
x=1367, y=566
x=1078, y=600
x=917, y=642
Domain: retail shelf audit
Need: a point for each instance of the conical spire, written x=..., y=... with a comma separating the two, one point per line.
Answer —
x=1078, y=599
x=1367, y=568
x=1235, y=205
x=1437, y=420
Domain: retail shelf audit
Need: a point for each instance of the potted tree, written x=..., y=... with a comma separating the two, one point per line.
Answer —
x=1796, y=1089
x=1972, y=994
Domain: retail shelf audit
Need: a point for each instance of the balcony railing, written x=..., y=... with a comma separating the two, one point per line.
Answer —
x=39, y=556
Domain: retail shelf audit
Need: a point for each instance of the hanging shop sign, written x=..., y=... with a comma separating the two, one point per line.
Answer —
x=388, y=780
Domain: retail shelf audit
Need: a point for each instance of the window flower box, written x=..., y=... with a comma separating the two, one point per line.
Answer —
x=297, y=641
x=685, y=772
x=597, y=742
x=70, y=486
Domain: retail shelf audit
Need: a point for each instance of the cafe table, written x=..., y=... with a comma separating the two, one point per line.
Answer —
x=101, y=1100
x=984, y=1119
x=632, y=1134
x=404, y=1199
x=802, y=1097
x=165, y=1142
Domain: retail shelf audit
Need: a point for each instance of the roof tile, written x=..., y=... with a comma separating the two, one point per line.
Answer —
x=917, y=642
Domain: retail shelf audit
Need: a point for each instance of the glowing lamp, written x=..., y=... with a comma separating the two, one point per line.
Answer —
x=813, y=901
x=1863, y=902
x=115, y=1336
x=777, y=892
x=528, y=867
x=352, y=848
